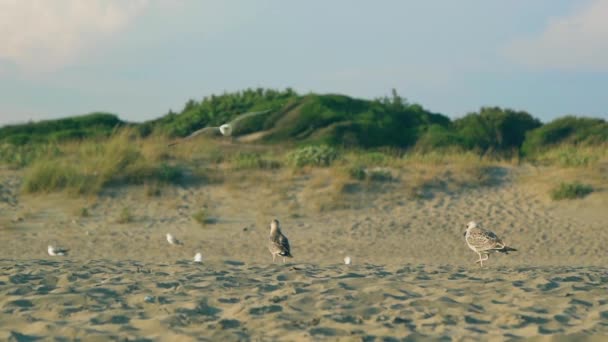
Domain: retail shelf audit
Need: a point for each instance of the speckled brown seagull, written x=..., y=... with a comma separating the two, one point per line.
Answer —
x=483, y=242
x=278, y=244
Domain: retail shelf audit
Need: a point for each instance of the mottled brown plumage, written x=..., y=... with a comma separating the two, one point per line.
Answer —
x=483, y=242
x=278, y=244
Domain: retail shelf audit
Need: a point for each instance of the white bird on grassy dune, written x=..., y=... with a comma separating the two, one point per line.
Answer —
x=278, y=244
x=483, y=242
x=56, y=251
x=198, y=257
x=172, y=240
x=226, y=130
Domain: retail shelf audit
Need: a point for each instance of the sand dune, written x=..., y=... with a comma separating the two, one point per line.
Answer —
x=412, y=274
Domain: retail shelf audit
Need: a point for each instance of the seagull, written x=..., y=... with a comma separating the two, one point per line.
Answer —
x=226, y=130
x=198, y=257
x=278, y=244
x=483, y=242
x=172, y=240
x=347, y=260
x=56, y=251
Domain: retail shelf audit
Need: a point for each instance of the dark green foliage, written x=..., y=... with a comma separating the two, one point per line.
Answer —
x=571, y=191
x=343, y=121
x=313, y=155
x=217, y=110
x=568, y=130
x=495, y=129
x=332, y=120
x=438, y=137
x=77, y=127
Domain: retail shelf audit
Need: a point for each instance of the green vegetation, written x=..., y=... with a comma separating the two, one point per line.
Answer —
x=312, y=155
x=253, y=160
x=571, y=191
x=569, y=130
x=89, y=167
x=125, y=216
x=373, y=140
x=333, y=120
x=74, y=128
x=202, y=217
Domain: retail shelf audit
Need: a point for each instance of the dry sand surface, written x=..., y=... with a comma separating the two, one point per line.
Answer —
x=412, y=273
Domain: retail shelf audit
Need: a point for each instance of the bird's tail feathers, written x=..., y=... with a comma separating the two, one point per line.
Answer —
x=507, y=249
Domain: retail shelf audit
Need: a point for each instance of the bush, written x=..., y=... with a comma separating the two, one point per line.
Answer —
x=494, y=128
x=357, y=172
x=50, y=176
x=567, y=130
x=247, y=161
x=571, y=191
x=202, y=217
x=125, y=216
x=379, y=175
x=313, y=155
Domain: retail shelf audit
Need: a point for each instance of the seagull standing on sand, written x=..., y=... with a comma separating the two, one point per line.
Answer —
x=483, y=242
x=56, y=251
x=198, y=257
x=278, y=244
x=172, y=240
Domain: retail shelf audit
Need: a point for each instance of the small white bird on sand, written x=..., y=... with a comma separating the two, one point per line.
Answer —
x=226, y=130
x=278, y=244
x=347, y=260
x=483, y=242
x=198, y=257
x=172, y=240
x=56, y=251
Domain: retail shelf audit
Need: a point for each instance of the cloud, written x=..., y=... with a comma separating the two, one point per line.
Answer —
x=43, y=35
x=578, y=41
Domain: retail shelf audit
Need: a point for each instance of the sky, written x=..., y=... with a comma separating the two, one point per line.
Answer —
x=141, y=58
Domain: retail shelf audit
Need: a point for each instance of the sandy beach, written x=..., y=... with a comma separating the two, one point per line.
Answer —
x=412, y=275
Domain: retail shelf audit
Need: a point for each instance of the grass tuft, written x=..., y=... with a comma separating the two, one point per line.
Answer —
x=570, y=191
x=312, y=156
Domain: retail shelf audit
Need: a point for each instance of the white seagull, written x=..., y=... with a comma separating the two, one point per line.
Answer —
x=198, y=257
x=226, y=130
x=172, y=240
x=483, y=242
x=56, y=251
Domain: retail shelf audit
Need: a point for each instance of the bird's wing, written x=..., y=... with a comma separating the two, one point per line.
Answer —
x=484, y=240
x=279, y=244
x=284, y=244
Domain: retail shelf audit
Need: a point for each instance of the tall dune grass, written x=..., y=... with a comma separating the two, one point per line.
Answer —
x=90, y=166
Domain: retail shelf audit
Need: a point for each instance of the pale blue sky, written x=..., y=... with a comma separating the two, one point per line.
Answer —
x=140, y=58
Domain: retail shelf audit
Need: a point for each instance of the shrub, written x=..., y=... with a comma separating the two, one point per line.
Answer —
x=313, y=155
x=570, y=191
x=202, y=217
x=566, y=130
x=49, y=176
x=246, y=161
x=125, y=216
x=494, y=128
x=357, y=172
x=379, y=175
x=84, y=212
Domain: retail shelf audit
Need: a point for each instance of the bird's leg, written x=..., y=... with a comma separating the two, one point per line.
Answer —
x=478, y=261
x=283, y=259
x=273, y=257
